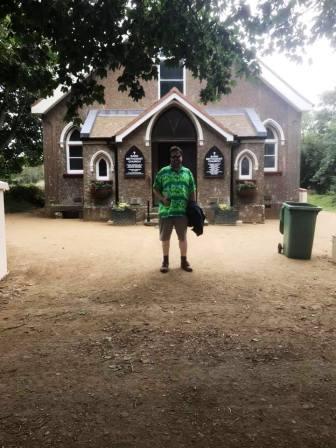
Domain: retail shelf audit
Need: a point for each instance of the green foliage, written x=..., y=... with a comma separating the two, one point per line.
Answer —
x=99, y=185
x=246, y=186
x=30, y=175
x=75, y=43
x=23, y=198
x=326, y=201
x=318, y=156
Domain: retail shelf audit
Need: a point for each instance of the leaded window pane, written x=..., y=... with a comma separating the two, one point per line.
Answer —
x=269, y=149
x=269, y=162
x=75, y=136
x=245, y=167
x=76, y=164
x=168, y=72
x=172, y=125
x=75, y=151
x=270, y=134
x=102, y=168
x=165, y=86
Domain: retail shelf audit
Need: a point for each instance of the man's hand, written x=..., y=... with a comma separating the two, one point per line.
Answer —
x=165, y=201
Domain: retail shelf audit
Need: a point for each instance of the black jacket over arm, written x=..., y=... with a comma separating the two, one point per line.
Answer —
x=195, y=217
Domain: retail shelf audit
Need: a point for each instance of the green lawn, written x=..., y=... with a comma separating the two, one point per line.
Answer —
x=326, y=201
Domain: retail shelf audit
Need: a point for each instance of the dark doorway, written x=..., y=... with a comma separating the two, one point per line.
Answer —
x=174, y=127
x=160, y=153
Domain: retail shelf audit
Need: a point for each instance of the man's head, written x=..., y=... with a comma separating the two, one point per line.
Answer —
x=176, y=157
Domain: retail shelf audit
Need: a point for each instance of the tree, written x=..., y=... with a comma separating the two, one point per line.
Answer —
x=75, y=42
x=20, y=133
x=318, y=156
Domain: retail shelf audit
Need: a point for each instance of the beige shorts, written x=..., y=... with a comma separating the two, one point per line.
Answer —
x=166, y=226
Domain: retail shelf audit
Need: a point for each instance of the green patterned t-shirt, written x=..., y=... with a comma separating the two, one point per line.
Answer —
x=176, y=186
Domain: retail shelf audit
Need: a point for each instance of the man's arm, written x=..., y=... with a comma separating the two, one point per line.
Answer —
x=161, y=198
x=192, y=196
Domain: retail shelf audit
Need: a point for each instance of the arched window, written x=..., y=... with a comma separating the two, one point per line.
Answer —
x=174, y=125
x=245, y=168
x=271, y=150
x=102, y=169
x=74, y=152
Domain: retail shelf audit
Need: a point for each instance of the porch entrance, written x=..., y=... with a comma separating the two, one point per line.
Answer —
x=173, y=127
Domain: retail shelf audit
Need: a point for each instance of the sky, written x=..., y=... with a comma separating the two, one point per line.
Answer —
x=315, y=75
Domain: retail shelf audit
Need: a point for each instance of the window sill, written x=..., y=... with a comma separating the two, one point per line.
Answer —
x=74, y=176
x=273, y=173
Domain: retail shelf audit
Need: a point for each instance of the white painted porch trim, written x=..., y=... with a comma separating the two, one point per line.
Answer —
x=200, y=136
x=164, y=104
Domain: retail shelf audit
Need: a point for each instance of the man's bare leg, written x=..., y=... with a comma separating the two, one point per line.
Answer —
x=165, y=250
x=183, y=247
x=184, y=263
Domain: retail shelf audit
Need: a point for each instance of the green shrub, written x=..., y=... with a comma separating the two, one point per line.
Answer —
x=23, y=197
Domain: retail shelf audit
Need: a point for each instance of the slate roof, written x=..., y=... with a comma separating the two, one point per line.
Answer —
x=108, y=123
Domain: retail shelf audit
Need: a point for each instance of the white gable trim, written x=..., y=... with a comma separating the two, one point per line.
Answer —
x=103, y=154
x=162, y=105
x=273, y=124
x=64, y=133
x=283, y=89
x=45, y=104
x=249, y=154
x=199, y=130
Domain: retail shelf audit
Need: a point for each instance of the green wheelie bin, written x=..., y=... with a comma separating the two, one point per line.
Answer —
x=297, y=224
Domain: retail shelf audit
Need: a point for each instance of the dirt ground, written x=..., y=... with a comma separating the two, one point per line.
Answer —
x=99, y=349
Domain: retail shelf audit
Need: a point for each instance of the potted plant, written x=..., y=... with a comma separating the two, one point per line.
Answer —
x=246, y=189
x=123, y=214
x=224, y=214
x=101, y=189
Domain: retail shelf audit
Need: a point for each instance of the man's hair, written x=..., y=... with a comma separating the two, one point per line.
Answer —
x=175, y=149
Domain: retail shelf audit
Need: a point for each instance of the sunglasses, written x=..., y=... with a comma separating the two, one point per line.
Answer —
x=176, y=157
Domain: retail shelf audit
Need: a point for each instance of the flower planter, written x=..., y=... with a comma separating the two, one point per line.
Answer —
x=101, y=194
x=226, y=217
x=248, y=193
x=101, y=190
x=123, y=217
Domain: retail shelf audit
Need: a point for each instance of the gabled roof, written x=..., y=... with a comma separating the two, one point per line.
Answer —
x=283, y=89
x=241, y=122
x=46, y=104
x=268, y=76
x=174, y=96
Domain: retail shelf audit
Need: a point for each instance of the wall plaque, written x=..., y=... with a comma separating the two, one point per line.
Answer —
x=134, y=163
x=214, y=163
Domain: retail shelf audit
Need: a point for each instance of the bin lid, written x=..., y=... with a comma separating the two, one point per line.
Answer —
x=301, y=206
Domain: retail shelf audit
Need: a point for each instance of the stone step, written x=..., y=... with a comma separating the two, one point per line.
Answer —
x=155, y=222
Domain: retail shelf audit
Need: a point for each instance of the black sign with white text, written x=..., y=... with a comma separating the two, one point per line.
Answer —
x=214, y=163
x=134, y=163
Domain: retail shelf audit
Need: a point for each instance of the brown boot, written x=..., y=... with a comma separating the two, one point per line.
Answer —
x=186, y=266
x=164, y=267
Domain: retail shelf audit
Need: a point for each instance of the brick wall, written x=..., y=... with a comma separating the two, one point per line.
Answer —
x=279, y=187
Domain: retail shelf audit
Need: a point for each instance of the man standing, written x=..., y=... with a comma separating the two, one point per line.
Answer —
x=174, y=186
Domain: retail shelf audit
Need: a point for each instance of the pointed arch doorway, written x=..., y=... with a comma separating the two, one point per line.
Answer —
x=173, y=127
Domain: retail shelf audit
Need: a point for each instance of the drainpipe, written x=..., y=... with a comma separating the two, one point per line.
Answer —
x=116, y=175
x=234, y=145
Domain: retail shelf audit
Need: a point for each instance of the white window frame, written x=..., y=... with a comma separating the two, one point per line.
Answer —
x=172, y=79
x=245, y=176
x=275, y=142
x=98, y=177
x=72, y=143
